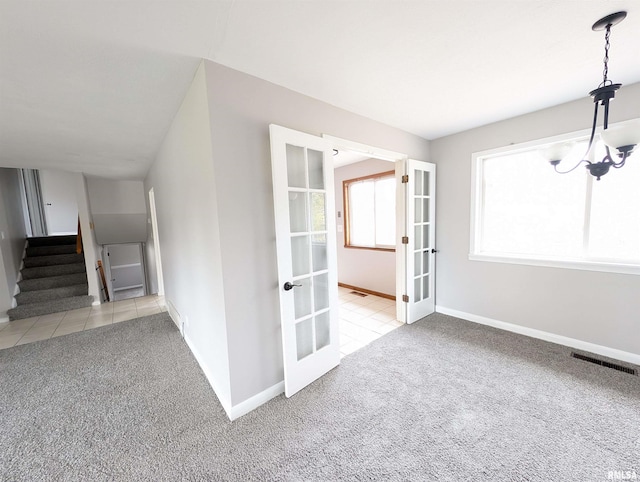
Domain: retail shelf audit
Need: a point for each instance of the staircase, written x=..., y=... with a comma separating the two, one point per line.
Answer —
x=54, y=278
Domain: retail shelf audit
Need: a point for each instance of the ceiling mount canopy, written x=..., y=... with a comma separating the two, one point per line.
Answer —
x=623, y=139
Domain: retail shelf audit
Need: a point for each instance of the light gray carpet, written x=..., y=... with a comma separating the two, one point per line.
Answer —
x=442, y=399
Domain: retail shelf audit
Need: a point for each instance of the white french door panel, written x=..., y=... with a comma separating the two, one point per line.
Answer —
x=420, y=230
x=303, y=192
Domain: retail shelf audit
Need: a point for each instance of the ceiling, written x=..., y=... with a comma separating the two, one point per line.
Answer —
x=92, y=86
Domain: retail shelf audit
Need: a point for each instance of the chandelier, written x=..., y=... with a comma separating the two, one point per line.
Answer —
x=622, y=139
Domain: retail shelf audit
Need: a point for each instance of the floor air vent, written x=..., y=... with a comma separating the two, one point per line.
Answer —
x=362, y=295
x=603, y=363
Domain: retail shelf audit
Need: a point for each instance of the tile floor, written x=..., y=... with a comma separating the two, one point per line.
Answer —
x=364, y=319
x=38, y=328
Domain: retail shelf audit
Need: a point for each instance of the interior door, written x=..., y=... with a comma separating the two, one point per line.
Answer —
x=61, y=206
x=303, y=191
x=420, y=250
x=126, y=271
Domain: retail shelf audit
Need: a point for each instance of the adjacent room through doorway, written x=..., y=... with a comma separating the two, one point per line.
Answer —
x=365, y=204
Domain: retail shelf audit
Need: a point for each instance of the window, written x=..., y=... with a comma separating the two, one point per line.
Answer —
x=370, y=211
x=524, y=212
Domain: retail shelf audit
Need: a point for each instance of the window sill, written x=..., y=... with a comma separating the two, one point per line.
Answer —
x=606, y=267
x=370, y=248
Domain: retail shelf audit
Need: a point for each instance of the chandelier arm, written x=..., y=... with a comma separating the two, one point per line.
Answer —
x=555, y=167
x=618, y=165
x=593, y=130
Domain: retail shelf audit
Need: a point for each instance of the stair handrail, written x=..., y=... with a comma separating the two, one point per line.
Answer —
x=104, y=281
x=79, y=238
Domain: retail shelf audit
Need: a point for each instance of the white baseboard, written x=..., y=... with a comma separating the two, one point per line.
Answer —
x=175, y=317
x=254, y=402
x=226, y=404
x=96, y=302
x=544, y=335
x=4, y=318
x=233, y=411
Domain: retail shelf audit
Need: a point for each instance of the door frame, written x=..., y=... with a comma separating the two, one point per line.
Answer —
x=400, y=162
x=156, y=241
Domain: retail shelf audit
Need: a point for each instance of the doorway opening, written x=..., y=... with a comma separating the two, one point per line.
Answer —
x=366, y=217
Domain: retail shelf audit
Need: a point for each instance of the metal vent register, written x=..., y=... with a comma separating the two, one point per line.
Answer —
x=606, y=364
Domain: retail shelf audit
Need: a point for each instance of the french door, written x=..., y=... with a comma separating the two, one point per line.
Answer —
x=302, y=167
x=420, y=239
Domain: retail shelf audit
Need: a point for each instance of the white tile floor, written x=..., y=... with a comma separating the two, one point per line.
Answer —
x=38, y=328
x=364, y=319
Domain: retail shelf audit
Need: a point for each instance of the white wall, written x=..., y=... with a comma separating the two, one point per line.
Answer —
x=241, y=108
x=594, y=307
x=119, y=210
x=185, y=187
x=12, y=236
x=59, y=198
x=92, y=252
x=364, y=268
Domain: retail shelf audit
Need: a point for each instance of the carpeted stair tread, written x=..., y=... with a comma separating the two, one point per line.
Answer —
x=54, y=270
x=53, y=281
x=46, y=307
x=53, y=260
x=51, y=250
x=51, y=294
x=54, y=278
x=52, y=240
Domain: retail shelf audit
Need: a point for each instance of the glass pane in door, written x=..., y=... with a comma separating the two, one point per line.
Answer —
x=426, y=191
x=316, y=172
x=418, y=185
x=425, y=236
x=302, y=298
x=304, y=338
x=318, y=212
x=319, y=252
x=300, y=255
x=323, y=330
x=296, y=166
x=417, y=263
x=298, y=211
x=417, y=289
x=425, y=287
x=321, y=291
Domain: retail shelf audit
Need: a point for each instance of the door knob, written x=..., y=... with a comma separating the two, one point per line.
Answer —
x=289, y=286
x=434, y=250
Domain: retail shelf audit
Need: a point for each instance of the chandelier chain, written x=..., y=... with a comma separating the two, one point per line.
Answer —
x=605, y=72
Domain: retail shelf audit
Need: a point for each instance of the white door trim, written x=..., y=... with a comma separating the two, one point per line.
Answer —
x=156, y=241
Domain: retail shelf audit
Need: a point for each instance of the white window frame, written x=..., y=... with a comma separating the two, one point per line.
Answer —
x=477, y=159
x=347, y=183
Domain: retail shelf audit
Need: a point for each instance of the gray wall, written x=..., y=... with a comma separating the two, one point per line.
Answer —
x=119, y=210
x=184, y=184
x=241, y=108
x=364, y=268
x=13, y=236
x=595, y=307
